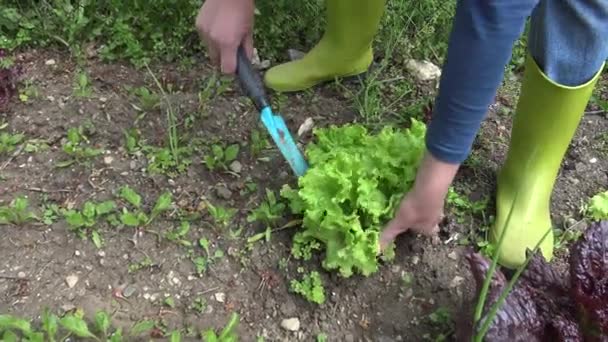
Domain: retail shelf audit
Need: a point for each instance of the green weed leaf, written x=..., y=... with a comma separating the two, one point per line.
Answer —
x=97, y=240
x=176, y=336
x=102, y=322
x=129, y=219
x=231, y=153
x=76, y=326
x=49, y=324
x=130, y=196
x=142, y=327
x=162, y=203
x=8, y=322
x=105, y=208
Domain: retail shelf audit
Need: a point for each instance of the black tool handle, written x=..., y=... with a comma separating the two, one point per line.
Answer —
x=249, y=80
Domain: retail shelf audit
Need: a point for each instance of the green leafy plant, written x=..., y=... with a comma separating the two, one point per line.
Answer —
x=219, y=156
x=597, y=207
x=83, y=222
x=163, y=161
x=201, y=263
x=17, y=212
x=9, y=142
x=77, y=147
x=137, y=217
x=82, y=85
x=310, y=287
x=228, y=334
x=148, y=100
x=179, y=234
x=220, y=214
x=269, y=211
x=354, y=183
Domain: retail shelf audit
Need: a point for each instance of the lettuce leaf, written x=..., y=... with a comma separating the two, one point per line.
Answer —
x=354, y=183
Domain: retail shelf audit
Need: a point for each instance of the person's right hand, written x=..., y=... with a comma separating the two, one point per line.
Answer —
x=224, y=25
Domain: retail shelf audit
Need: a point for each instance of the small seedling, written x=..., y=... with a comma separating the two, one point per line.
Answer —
x=132, y=140
x=310, y=287
x=597, y=207
x=228, y=334
x=163, y=161
x=198, y=305
x=148, y=100
x=221, y=215
x=221, y=157
x=17, y=212
x=9, y=142
x=137, y=217
x=77, y=148
x=178, y=235
x=201, y=263
x=269, y=211
x=82, y=86
x=82, y=222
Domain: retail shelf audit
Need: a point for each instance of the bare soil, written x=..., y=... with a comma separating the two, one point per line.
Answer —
x=37, y=259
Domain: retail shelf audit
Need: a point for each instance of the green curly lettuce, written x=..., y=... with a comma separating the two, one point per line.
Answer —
x=354, y=183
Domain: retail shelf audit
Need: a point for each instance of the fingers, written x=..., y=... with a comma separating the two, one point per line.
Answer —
x=248, y=44
x=394, y=228
x=228, y=58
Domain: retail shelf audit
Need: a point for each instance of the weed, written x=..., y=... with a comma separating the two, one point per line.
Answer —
x=442, y=319
x=258, y=142
x=198, y=305
x=82, y=85
x=28, y=91
x=82, y=222
x=9, y=142
x=77, y=148
x=145, y=263
x=221, y=157
x=201, y=263
x=148, y=100
x=50, y=214
x=132, y=140
x=221, y=215
x=137, y=217
x=228, y=334
x=17, y=212
x=269, y=211
x=178, y=235
x=597, y=207
x=310, y=287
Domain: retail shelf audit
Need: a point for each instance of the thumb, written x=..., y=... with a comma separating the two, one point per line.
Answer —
x=394, y=228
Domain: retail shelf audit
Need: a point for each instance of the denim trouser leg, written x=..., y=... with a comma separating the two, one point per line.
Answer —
x=569, y=39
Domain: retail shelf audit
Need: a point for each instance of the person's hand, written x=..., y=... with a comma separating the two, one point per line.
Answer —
x=422, y=208
x=224, y=25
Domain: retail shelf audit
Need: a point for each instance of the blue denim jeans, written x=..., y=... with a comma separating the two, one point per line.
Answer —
x=568, y=39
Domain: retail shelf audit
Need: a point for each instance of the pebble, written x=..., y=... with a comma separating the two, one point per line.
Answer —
x=593, y=160
x=306, y=126
x=133, y=165
x=77, y=253
x=146, y=296
x=101, y=254
x=423, y=70
x=50, y=62
x=236, y=166
x=220, y=297
x=291, y=324
x=223, y=192
x=21, y=275
x=128, y=291
x=71, y=280
x=288, y=308
x=108, y=160
x=453, y=255
x=415, y=260
x=176, y=281
x=456, y=281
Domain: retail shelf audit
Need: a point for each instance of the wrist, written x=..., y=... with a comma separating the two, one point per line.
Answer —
x=434, y=176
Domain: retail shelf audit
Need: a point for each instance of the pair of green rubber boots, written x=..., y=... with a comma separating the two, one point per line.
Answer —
x=547, y=116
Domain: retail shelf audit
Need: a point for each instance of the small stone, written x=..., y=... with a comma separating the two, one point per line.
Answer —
x=456, y=281
x=236, y=166
x=291, y=324
x=220, y=297
x=101, y=254
x=108, y=160
x=50, y=62
x=21, y=275
x=154, y=297
x=223, y=192
x=77, y=253
x=128, y=291
x=593, y=160
x=133, y=165
x=415, y=260
x=146, y=296
x=171, y=182
x=395, y=268
x=103, y=99
x=175, y=281
x=453, y=255
x=423, y=70
x=68, y=307
x=295, y=54
x=306, y=127
x=71, y=280
x=102, y=262
x=288, y=308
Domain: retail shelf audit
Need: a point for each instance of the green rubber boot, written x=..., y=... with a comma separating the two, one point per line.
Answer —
x=547, y=116
x=344, y=50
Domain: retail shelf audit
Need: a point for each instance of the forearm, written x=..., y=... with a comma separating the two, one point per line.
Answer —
x=479, y=48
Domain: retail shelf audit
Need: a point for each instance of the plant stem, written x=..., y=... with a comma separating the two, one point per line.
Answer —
x=173, y=144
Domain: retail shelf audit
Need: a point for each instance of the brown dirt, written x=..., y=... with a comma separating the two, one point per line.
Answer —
x=378, y=308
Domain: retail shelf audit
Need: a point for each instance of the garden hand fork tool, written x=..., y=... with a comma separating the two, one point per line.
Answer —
x=275, y=125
